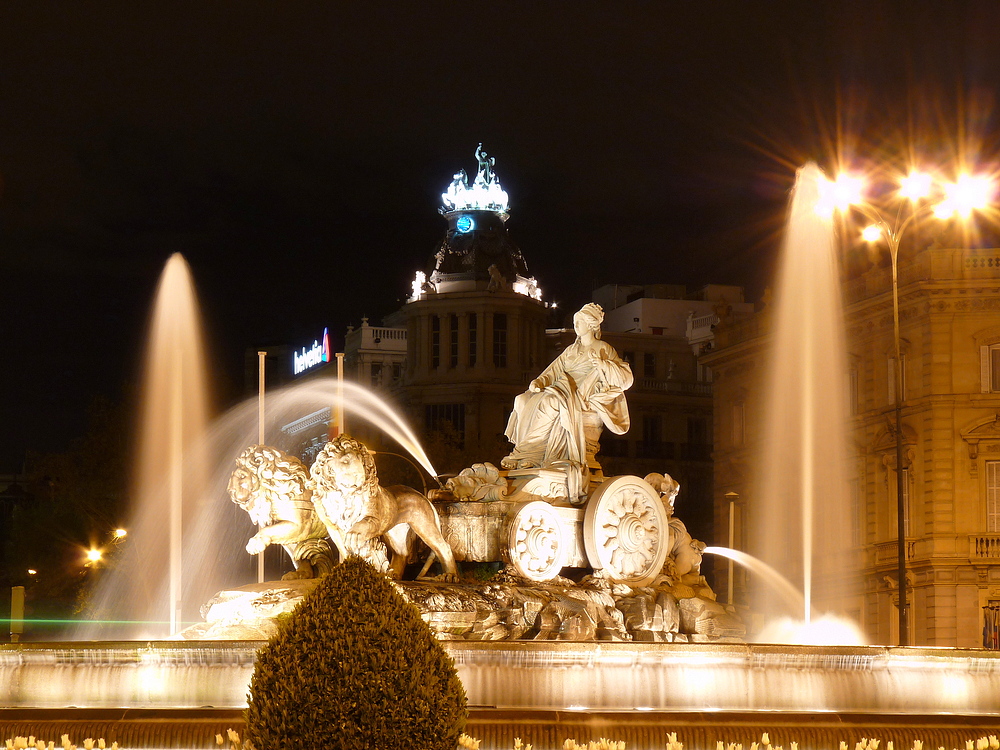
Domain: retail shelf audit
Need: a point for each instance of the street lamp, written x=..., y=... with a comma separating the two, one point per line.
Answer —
x=968, y=193
x=733, y=498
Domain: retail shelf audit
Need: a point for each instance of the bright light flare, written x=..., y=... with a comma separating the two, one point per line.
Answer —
x=32, y=572
x=871, y=233
x=120, y=533
x=826, y=630
x=967, y=194
x=839, y=194
x=916, y=185
x=94, y=555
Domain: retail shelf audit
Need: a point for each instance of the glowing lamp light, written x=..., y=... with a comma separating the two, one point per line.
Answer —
x=871, y=233
x=94, y=555
x=916, y=186
x=966, y=194
x=120, y=533
x=32, y=572
x=417, y=286
x=839, y=194
x=847, y=189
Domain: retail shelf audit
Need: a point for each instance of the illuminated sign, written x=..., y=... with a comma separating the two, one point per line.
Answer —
x=465, y=224
x=317, y=355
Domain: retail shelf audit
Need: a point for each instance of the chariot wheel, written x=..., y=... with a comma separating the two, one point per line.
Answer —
x=535, y=542
x=625, y=531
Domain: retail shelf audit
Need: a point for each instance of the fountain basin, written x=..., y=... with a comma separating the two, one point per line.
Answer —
x=181, y=694
x=551, y=676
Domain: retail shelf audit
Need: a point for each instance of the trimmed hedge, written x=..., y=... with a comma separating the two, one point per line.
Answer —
x=355, y=667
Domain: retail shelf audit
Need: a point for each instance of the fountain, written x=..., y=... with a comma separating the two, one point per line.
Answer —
x=171, y=469
x=183, y=544
x=802, y=476
x=801, y=515
x=134, y=607
x=546, y=690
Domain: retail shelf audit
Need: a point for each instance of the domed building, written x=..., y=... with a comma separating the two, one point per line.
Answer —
x=475, y=322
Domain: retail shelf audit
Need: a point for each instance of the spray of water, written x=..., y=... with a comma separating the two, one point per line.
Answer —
x=801, y=503
x=789, y=593
x=169, y=472
x=142, y=588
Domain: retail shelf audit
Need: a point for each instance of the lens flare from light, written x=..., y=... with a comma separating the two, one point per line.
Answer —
x=966, y=194
x=827, y=630
x=847, y=190
x=871, y=233
x=916, y=185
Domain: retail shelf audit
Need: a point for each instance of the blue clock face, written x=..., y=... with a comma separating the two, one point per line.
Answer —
x=465, y=224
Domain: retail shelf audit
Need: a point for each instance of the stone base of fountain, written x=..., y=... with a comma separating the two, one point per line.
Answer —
x=504, y=609
x=180, y=694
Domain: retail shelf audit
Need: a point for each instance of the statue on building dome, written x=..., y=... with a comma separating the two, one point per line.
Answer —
x=485, y=193
x=476, y=253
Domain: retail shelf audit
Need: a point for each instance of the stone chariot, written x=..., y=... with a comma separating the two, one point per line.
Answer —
x=621, y=528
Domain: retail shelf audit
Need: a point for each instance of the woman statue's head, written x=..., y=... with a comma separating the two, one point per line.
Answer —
x=589, y=318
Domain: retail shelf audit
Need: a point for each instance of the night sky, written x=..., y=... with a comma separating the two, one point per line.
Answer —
x=295, y=154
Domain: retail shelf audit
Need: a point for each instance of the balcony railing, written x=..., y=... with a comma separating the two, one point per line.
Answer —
x=888, y=552
x=984, y=547
x=700, y=328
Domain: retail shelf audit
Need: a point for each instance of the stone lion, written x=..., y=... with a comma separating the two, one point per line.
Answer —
x=273, y=487
x=358, y=511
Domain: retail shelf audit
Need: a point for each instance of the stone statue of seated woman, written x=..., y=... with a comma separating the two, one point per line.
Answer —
x=557, y=422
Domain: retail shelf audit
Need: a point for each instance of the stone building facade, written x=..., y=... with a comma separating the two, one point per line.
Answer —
x=950, y=335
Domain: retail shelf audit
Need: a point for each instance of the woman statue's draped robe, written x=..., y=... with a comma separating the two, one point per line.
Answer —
x=547, y=426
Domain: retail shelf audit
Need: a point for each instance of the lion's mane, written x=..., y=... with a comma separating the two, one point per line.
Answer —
x=267, y=471
x=341, y=508
x=324, y=477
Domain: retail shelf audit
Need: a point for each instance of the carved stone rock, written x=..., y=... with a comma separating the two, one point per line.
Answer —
x=504, y=608
x=249, y=612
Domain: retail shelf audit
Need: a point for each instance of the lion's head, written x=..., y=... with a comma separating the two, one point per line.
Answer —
x=264, y=474
x=345, y=466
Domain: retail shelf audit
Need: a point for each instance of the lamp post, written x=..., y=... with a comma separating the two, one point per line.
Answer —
x=969, y=192
x=732, y=497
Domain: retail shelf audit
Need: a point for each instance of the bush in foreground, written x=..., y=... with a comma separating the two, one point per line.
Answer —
x=355, y=667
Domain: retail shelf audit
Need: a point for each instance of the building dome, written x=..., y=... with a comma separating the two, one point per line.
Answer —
x=476, y=251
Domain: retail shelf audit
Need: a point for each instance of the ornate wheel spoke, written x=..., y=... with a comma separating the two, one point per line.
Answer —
x=535, y=541
x=623, y=530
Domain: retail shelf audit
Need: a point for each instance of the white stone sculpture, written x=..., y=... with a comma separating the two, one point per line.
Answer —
x=684, y=551
x=557, y=422
x=358, y=511
x=273, y=487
